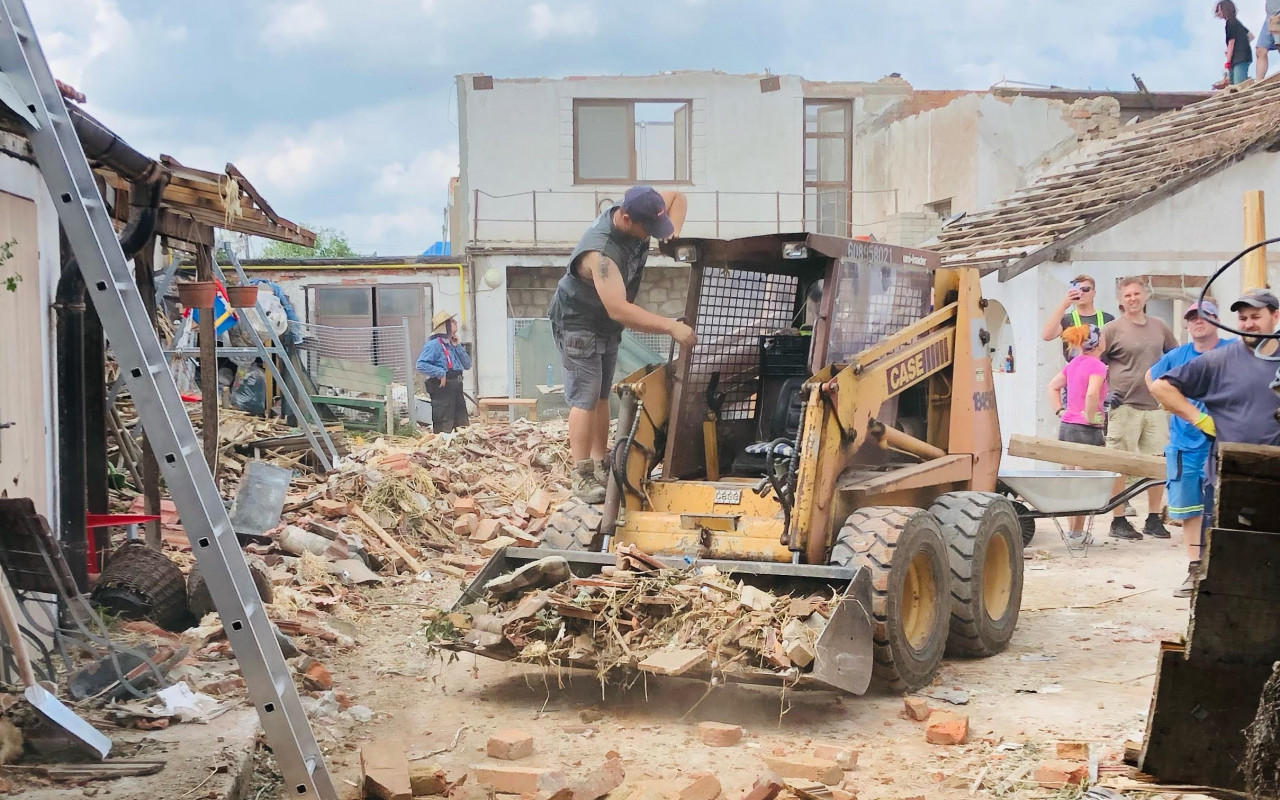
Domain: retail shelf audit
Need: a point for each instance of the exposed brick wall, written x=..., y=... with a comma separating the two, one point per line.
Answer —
x=529, y=290
x=1093, y=118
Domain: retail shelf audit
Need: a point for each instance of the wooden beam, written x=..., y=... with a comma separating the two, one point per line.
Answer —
x=1254, y=275
x=178, y=226
x=1135, y=465
x=208, y=366
x=144, y=276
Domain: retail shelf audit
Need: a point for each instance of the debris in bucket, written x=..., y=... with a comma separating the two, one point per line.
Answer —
x=637, y=615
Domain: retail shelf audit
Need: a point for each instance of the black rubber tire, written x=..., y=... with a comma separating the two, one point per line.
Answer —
x=897, y=543
x=1025, y=523
x=984, y=546
x=573, y=525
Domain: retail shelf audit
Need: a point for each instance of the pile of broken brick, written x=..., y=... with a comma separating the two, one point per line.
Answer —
x=637, y=615
x=387, y=773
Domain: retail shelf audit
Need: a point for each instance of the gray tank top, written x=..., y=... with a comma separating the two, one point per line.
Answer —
x=576, y=305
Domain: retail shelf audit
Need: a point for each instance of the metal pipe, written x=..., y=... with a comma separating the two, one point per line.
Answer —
x=887, y=437
x=628, y=420
x=81, y=373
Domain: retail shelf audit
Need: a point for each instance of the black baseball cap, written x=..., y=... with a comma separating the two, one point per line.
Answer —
x=1257, y=298
x=646, y=206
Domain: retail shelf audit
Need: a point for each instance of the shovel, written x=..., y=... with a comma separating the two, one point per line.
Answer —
x=49, y=707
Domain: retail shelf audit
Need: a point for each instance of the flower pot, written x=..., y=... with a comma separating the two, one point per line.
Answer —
x=243, y=296
x=197, y=294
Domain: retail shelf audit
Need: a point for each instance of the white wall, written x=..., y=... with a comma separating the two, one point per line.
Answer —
x=29, y=461
x=518, y=137
x=1189, y=234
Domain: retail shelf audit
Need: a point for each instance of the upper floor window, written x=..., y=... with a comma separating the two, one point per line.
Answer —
x=631, y=141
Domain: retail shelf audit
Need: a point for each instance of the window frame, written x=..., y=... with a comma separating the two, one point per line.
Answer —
x=847, y=135
x=630, y=103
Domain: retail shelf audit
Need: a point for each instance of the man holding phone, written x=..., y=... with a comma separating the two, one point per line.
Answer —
x=1080, y=296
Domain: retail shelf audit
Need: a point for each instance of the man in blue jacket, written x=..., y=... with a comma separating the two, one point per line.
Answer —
x=442, y=361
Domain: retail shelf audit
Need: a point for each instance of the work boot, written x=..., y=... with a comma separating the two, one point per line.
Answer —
x=1121, y=528
x=602, y=472
x=1129, y=510
x=1154, y=527
x=585, y=485
x=1188, y=586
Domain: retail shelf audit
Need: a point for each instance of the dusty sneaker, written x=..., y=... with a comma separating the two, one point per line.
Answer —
x=1154, y=527
x=1121, y=528
x=585, y=486
x=1079, y=538
x=1188, y=586
x=1129, y=510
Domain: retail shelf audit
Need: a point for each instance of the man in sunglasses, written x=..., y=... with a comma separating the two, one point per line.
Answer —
x=1079, y=300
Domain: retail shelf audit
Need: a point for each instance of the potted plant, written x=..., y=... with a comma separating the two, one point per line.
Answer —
x=197, y=294
x=242, y=295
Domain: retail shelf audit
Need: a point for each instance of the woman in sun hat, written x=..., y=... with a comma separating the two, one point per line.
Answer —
x=442, y=362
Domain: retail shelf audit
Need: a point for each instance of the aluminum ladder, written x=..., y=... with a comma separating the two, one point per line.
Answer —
x=29, y=89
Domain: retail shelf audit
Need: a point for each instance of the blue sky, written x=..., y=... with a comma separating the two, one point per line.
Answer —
x=342, y=112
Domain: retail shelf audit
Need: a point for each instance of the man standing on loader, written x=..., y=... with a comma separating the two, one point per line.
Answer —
x=593, y=302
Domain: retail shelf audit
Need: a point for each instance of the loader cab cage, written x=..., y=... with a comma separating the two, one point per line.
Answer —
x=749, y=302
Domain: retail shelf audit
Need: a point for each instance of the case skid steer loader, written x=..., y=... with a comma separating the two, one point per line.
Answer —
x=833, y=427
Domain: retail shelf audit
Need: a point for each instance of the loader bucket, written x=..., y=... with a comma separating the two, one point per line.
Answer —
x=843, y=651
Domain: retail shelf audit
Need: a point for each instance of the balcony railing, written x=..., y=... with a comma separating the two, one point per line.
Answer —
x=551, y=217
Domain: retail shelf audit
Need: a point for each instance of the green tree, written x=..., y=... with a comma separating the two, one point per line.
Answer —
x=330, y=243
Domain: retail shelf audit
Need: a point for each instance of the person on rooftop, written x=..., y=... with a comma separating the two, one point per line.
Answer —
x=1267, y=38
x=1239, y=54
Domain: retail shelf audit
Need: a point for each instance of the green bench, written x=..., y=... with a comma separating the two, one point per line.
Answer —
x=372, y=382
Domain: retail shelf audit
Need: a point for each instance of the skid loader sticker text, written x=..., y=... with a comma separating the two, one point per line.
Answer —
x=984, y=401
x=916, y=366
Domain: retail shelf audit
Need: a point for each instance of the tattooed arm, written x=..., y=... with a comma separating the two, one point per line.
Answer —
x=601, y=271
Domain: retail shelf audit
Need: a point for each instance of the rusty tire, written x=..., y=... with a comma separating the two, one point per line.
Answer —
x=573, y=525
x=904, y=549
x=984, y=547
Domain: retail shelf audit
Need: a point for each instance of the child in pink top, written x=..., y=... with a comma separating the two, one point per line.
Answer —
x=1085, y=379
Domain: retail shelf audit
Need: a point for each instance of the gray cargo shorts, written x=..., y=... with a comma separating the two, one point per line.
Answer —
x=589, y=360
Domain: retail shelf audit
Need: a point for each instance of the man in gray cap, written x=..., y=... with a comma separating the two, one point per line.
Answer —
x=1233, y=384
x=593, y=302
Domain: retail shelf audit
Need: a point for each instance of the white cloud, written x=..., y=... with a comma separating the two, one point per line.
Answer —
x=426, y=173
x=74, y=33
x=295, y=24
x=574, y=19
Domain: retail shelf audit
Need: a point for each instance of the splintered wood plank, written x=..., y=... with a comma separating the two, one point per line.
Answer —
x=1195, y=732
x=1251, y=460
x=673, y=662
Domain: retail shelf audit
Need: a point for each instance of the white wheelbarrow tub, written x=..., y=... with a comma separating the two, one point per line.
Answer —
x=1060, y=491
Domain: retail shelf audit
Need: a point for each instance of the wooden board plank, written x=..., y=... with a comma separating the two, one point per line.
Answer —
x=1252, y=460
x=357, y=367
x=1195, y=732
x=1247, y=503
x=1088, y=456
x=1237, y=603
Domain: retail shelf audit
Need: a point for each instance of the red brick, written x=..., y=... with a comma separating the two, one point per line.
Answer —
x=425, y=779
x=509, y=745
x=331, y=508
x=946, y=728
x=539, y=504
x=765, y=788
x=843, y=754
x=917, y=708
x=494, y=545
x=1057, y=773
x=809, y=768
x=511, y=779
x=1072, y=750
x=718, y=734
x=384, y=771
x=486, y=530
x=464, y=505
x=700, y=786
x=317, y=677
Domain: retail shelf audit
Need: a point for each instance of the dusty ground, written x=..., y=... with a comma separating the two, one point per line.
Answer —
x=1080, y=666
